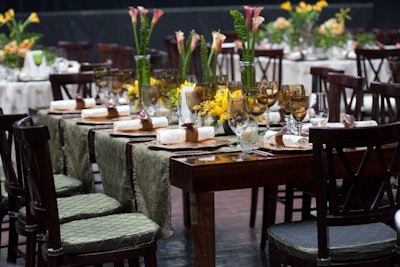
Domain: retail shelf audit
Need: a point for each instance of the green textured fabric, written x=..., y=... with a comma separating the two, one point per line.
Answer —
x=119, y=231
x=347, y=243
x=66, y=185
x=82, y=206
x=151, y=179
x=115, y=179
x=57, y=153
x=76, y=150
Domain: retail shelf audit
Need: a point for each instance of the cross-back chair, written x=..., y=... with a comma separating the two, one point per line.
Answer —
x=122, y=56
x=226, y=63
x=318, y=78
x=394, y=65
x=269, y=63
x=67, y=85
x=386, y=102
x=345, y=95
x=356, y=202
x=387, y=36
x=109, y=238
x=80, y=51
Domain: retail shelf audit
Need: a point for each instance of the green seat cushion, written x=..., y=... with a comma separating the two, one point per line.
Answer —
x=67, y=185
x=347, y=243
x=113, y=232
x=82, y=206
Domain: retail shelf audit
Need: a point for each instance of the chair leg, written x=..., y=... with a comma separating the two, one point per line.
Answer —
x=30, y=249
x=289, y=193
x=269, y=212
x=12, y=240
x=253, y=208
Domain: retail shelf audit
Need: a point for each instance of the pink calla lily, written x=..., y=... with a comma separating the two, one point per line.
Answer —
x=257, y=22
x=195, y=40
x=249, y=13
x=133, y=12
x=157, y=13
x=180, y=38
x=143, y=11
x=218, y=40
x=257, y=11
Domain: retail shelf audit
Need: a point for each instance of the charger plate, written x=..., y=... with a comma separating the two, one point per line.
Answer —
x=206, y=144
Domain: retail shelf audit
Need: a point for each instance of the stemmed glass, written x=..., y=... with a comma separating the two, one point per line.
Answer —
x=257, y=100
x=284, y=96
x=238, y=117
x=270, y=89
x=319, y=109
x=299, y=107
x=99, y=80
x=37, y=57
x=193, y=100
x=149, y=96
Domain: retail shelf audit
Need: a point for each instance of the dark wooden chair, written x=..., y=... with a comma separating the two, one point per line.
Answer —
x=69, y=85
x=352, y=228
x=108, y=238
x=394, y=65
x=122, y=56
x=226, y=63
x=318, y=76
x=87, y=66
x=387, y=36
x=386, y=102
x=345, y=95
x=80, y=51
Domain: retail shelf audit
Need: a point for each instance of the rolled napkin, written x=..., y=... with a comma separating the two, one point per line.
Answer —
x=72, y=104
x=274, y=138
x=109, y=113
x=176, y=136
x=367, y=123
x=138, y=124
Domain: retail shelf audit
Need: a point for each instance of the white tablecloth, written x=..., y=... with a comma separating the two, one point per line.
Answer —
x=18, y=97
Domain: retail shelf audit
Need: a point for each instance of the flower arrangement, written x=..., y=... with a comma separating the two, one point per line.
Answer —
x=209, y=59
x=17, y=42
x=275, y=30
x=302, y=18
x=142, y=43
x=218, y=107
x=185, y=51
x=247, y=30
x=332, y=31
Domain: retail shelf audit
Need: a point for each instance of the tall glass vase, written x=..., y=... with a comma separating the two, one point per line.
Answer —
x=306, y=41
x=248, y=74
x=143, y=75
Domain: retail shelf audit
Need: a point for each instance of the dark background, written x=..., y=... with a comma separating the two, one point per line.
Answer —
x=108, y=21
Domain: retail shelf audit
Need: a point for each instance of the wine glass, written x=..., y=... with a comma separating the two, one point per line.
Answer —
x=238, y=117
x=37, y=57
x=319, y=109
x=284, y=103
x=99, y=80
x=193, y=100
x=113, y=87
x=270, y=89
x=149, y=96
x=299, y=107
x=257, y=101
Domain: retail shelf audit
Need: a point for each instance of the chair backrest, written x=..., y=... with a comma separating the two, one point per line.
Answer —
x=394, y=65
x=387, y=36
x=38, y=174
x=173, y=57
x=386, y=102
x=226, y=63
x=86, y=66
x=122, y=56
x=371, y=63
x=345, y=94
x=80, y=51
x=269, y=62
x=61, y=85
x=353, y=171
x=318, y=75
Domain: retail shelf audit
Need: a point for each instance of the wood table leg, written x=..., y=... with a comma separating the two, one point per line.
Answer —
x=202, y=212
x=186, y=209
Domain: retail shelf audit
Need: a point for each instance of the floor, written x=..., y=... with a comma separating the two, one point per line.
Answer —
x=236, y=243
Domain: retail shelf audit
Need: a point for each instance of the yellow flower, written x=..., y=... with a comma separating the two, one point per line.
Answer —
x=9, y=15
x=286, y=6
x=34, y=18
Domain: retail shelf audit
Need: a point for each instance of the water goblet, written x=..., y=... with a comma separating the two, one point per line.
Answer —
x=299, y=107
x=270, y=89
x=37, y=57
x=257, y=101
x=284, y=103
x=99, y=74
x=149, y=96
x=250, y=137
x=238, y=117
x=319, y=109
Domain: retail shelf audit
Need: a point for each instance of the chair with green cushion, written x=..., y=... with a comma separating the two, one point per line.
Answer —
x=110, y=238
x=353, y=224
x=69, y=189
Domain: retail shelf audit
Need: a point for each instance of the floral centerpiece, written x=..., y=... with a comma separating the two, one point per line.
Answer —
x=332, y=31
x=17, y=42
x=302, y=19
x=185, y=51
x=209, y=56
x=247, y=30
x=275, y=30
x=142, y=41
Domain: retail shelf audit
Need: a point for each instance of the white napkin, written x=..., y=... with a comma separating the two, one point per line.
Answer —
x=289, y=140
x=176, y=136
x=103, y=112
x=70, y=104
x=274, y=116
x=136, y=124
x=30, y=71
x=367, y=123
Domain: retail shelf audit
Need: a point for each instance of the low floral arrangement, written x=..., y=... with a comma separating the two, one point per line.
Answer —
x=275, y=30
x=218, y=107
x=332, y=31
x=185, y=51
x=209, y=56
x=17, y=42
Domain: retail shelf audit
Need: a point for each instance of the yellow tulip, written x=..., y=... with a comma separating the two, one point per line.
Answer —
x=34, y=18
x=286, y=6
